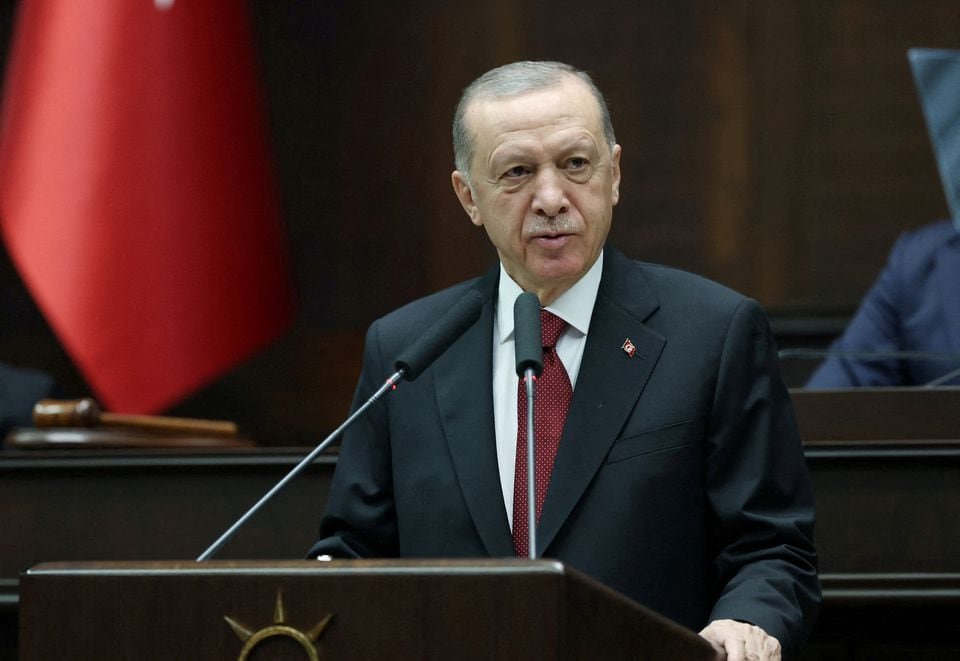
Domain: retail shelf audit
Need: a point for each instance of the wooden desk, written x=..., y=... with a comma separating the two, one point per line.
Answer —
x=885, y=465
x=152, y=505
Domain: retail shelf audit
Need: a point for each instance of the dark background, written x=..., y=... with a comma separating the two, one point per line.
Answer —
x=777, y=147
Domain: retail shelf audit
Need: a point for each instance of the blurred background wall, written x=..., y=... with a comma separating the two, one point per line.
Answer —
x=777, y=147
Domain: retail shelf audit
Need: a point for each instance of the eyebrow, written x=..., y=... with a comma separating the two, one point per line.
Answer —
x=500, y=160
x=580, y=142
x=520, y=154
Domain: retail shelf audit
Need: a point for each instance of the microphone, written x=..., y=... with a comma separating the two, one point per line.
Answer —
x=868, y=355
x=528, y=346
x=527, y=335
x=411, y=363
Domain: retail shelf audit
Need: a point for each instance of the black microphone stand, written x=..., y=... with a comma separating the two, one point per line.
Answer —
x=529, y=351
x=529, y=377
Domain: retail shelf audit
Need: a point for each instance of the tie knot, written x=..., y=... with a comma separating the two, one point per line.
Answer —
x=550, y=328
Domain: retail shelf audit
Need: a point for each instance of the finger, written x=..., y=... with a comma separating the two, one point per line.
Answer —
x=753, y=647
x=771, y=649
x=736, y=649
x=763, y=650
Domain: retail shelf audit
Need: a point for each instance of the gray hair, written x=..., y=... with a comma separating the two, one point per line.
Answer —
x=512, y=80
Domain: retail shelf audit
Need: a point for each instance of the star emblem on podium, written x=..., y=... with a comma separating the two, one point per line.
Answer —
x=307, y=640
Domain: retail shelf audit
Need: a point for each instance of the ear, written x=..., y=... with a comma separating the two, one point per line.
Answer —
x=465, y=194
x=615, y=178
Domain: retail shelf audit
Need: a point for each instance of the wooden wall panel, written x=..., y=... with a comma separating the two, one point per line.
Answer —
x=819, y=154
x=775, y=146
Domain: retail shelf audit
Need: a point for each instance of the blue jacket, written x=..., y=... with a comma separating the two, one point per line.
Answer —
x=914, y=305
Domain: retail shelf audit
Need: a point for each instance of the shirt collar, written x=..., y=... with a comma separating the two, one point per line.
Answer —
x=574, y=306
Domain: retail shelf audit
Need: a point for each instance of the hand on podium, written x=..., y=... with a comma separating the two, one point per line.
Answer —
x=739, y=641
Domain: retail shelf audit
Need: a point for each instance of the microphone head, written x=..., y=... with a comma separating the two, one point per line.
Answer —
x=527, y=339
x=428, y=347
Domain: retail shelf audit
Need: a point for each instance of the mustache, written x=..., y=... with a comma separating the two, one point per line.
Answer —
x=561, y=224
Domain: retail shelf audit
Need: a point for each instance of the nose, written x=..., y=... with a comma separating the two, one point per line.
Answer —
x=549, y=195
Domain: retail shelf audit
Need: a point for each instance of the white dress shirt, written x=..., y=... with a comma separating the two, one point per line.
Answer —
x=574, y=306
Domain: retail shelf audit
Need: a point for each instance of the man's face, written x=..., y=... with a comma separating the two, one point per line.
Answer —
x=543, y=183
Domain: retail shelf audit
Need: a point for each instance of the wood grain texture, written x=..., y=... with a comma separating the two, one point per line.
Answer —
x=777, y=147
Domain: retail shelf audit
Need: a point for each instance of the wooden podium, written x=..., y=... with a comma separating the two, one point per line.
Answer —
x=456, y=609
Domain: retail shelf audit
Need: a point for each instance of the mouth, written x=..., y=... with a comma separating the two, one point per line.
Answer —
x=551, y=241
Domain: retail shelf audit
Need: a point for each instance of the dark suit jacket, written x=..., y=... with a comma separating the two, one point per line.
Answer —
x=679, y=480
x=914, y=305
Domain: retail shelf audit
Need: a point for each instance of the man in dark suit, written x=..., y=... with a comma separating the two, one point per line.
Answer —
x=913, y=307
x=679, y=478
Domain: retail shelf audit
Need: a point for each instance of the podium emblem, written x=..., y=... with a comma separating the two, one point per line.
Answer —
x=307, y=640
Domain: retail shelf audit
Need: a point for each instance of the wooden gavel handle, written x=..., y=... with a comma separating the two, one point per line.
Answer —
x=85, y=413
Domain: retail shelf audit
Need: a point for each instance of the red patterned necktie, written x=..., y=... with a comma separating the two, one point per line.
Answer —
x=553, y=394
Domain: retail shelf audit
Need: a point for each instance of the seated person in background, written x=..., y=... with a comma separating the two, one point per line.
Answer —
x=20, y=389
x=678, y=477
x=914, y=306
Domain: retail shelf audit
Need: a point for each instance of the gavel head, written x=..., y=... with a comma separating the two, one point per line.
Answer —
x=66, y=413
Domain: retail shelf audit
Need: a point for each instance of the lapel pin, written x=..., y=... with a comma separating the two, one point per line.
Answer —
x=629, y=347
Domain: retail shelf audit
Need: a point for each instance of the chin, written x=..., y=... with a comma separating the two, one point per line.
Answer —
x=555, y=270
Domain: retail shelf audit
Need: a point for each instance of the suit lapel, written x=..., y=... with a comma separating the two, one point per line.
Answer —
x=608, y=386
x=462, y=377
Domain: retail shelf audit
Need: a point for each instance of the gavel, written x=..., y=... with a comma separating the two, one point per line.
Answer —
x=86, y=413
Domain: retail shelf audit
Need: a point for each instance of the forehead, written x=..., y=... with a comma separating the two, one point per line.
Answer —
x=567, y=106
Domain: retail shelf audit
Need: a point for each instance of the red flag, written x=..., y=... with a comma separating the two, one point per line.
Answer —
x=136, y=196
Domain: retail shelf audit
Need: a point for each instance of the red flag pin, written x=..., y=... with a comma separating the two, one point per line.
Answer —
x=629, y=347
